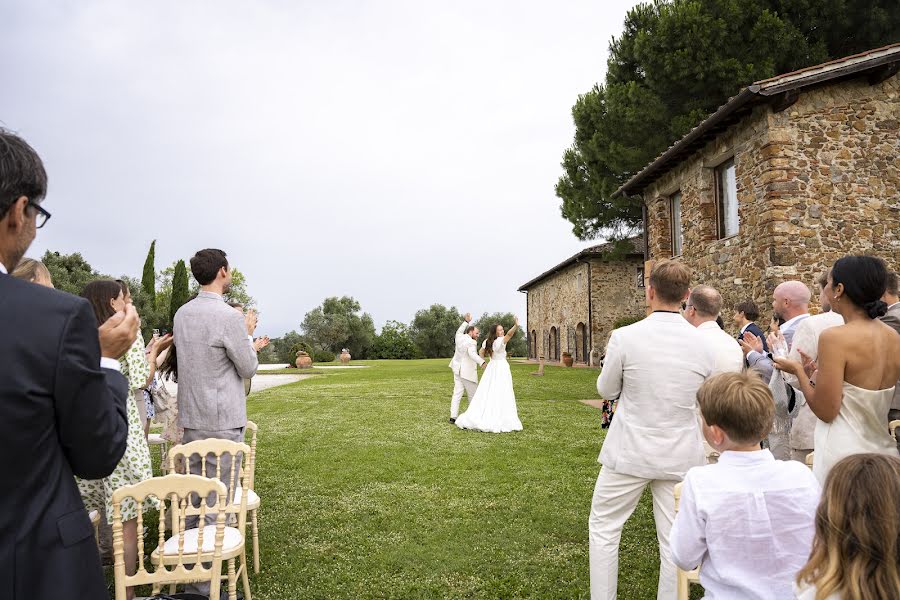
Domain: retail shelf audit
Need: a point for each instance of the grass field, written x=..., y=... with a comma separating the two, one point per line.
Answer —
x=368, y=491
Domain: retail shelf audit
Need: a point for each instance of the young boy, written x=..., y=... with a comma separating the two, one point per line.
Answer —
x=748, y=519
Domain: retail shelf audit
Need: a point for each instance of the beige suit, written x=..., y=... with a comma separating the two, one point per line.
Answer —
x=464, y=365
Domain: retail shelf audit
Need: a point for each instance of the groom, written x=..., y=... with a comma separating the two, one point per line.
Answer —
x=465, y=359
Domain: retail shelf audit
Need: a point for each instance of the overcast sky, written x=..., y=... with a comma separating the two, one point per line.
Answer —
x=404, y=153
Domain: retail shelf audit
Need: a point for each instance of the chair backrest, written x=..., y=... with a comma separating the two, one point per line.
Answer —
x=250, y=478
x=180, y=458
x=892, y=426
x=809, y=459
x=179, y=490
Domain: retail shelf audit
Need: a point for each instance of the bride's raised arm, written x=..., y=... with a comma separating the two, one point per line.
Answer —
x=512, y=331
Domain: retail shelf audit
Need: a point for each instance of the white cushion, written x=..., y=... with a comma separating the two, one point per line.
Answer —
x=156, y=439
x=252, y=498
x=233, y=539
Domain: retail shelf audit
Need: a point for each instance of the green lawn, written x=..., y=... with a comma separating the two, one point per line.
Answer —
x=368, y=491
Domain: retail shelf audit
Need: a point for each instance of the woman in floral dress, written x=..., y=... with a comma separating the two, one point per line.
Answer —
x=106, y=298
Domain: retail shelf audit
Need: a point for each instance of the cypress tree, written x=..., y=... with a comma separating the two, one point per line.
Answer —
x=180, y=289
x=148, y=279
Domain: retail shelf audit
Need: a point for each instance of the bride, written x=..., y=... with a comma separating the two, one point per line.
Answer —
x=493, y=409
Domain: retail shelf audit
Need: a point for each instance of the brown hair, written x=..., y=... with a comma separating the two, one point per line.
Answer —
x=671, y=279
x=740, y=403
x=892, y=283
x=489, y=343
x=749, y=308
x=205, y=265
x=28, y=269
x=823, y=279
x=99, y=293
x=856, y=548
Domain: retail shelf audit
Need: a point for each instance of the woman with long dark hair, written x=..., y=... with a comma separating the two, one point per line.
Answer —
x=493, y=408
x=851, y=387
x=108, y=297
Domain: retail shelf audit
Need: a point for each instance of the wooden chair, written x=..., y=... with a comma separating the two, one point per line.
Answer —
x=809, y=459
x=892, y=426
x=155, y=438
x=253, y=500
x=235, y=537
x=684, y=579
x=182, y=549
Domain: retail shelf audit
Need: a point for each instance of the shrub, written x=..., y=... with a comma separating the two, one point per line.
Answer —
x=323, y=356
x=626, y=321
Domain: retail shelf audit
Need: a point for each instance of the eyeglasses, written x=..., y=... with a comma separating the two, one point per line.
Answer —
x=42, y=215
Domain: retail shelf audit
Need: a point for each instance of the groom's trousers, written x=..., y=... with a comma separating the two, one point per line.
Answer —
x=461, y=385
x=615, y=497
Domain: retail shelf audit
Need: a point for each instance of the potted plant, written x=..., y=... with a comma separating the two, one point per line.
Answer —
x=567, y=359
x=303, y=360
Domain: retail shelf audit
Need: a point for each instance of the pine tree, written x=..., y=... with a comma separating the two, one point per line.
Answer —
x=180, y=289
x=148, y=279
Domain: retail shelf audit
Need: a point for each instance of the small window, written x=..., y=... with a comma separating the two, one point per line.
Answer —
x=578, y=283
x=677, y=232
x=639, y=277
x=726, y=190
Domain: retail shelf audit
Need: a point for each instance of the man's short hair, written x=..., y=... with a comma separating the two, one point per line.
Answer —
x=205, y=265
x=471, y=328
x=671, y=279
x=706, y=300
x=740, y=404
x=892, y=283
x=749, y=308
x=823, y=278
x=21, y=171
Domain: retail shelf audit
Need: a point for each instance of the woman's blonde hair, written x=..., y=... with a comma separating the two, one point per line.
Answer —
x=29, y=269
x=856, y=548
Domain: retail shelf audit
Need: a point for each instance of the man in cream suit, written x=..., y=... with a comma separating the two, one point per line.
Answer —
x=701, y=310
x=892, y=318
x=465, y=365
x=654, y=368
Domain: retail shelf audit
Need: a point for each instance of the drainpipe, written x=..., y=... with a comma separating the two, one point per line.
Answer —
x=646, y=235
x=590, y=331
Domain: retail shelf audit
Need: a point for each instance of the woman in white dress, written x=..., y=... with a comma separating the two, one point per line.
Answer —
x=858, y=366
x=493, y=409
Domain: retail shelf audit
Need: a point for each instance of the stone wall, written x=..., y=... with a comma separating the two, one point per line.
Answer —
x=560, y=304
x=816, y=181
x=617, y=292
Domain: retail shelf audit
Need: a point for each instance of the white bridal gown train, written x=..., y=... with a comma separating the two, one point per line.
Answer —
x=493, y=409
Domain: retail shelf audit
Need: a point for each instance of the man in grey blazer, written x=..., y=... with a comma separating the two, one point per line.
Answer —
x=892, y=318
x=215, y=355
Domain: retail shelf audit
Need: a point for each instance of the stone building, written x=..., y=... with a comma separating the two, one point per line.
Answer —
x=572, y=307
x=791, y=174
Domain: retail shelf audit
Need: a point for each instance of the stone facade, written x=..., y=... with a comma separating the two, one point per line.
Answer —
x=814, y=182
x=573, y=308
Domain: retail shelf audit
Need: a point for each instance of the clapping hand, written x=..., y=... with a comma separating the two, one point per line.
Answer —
x=810, y=366
x=158, y=345
x=468, y=318
x=118, y=333
x=260, y=343
x=516, y=320
x=788, y=366
x=750, y=342
x=250, y=320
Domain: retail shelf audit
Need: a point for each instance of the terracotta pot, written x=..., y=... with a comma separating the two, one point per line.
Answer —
x=567, y=359
x=345, y=358
x=304, y=362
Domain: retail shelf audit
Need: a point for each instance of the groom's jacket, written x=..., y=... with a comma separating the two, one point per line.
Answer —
x=465, y=361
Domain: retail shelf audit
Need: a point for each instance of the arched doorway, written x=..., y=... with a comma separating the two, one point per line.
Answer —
x=534, y=347
x=581, y=354
x=554, y=341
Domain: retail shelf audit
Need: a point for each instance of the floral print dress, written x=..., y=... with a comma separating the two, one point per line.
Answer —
x=135, y=465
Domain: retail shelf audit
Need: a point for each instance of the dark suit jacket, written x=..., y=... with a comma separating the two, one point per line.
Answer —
x=60, y=415
x=755, y=330
x=892, y=318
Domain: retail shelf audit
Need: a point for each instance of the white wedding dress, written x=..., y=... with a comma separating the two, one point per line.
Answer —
x=493, y=409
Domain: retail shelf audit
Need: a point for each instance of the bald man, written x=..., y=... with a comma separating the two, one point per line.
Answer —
x=701, y=310
x=790, y=301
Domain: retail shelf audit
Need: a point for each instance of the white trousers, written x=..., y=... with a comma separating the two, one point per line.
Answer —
x=615, y=497
x=461, y=385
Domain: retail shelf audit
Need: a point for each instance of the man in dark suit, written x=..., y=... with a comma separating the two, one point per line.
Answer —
x=745, y=314
x=61, y=414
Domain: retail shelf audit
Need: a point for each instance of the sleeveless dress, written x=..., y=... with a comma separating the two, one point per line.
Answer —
x=493, y=408
x=860, y=426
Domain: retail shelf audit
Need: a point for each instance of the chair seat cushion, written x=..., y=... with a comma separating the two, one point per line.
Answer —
x=252, y=499
x=155, y=439
x=233, y=539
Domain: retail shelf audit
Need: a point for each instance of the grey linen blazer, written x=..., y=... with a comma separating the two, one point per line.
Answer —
x=215, y=355
x=892, y=318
